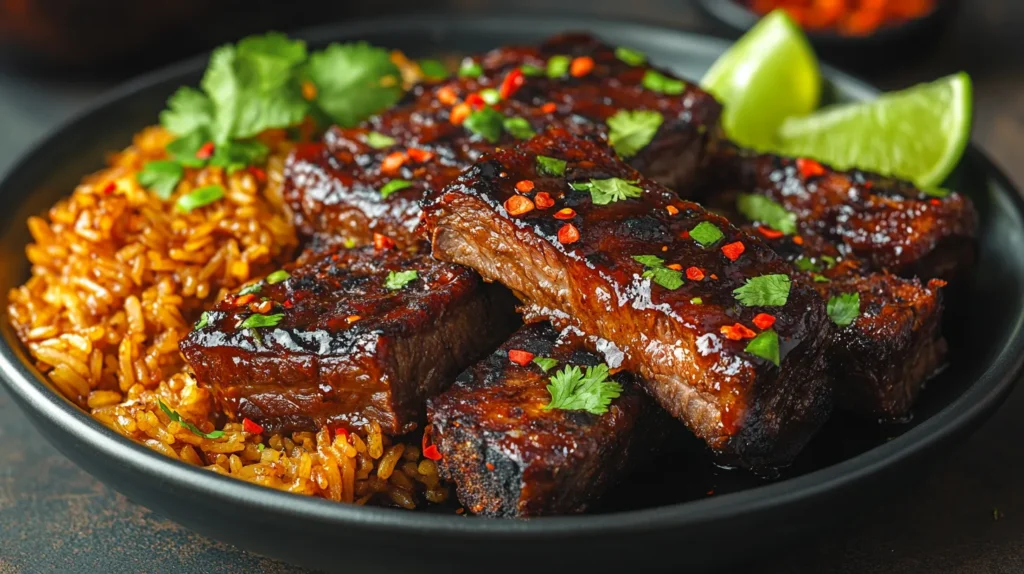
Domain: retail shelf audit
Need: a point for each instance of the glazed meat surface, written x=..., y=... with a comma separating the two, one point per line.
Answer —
x=688, y=341
x=344, y=342
x=886, y=223
x=510, y=457
x=443, y=127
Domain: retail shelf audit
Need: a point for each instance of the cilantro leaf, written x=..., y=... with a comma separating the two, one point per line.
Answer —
x=765, y=345
x=277, y=277
x=487, y=123
x=161, y=176
x=820, y=278
x=657, y=272
x=605, y=191
x=398, y=280
x=195, y=430
x=531, y=70
x=188, y=110
x=251, y=289
x=254, y=321
x=764, y=291
x=184, y=149
x=353, y=81
x=829, y=261
x=199, y=197
x=573, y=390
x=470, y=69
x=550, y=166
x=519, y=128
x=696, y=301
x=843, y=309
x=236, y=155
x=393, y=186
x=377, y=140
x=658, y=82
x=937, y=192
x=545, y=363
x=630, y=131
x=630, y=56
x=706, y=233
x=763, y=210
x=433, y=69
x=272, y=56
x=204, y=320
x=490, y=96
x=649, y=260
x=804, y=263
x=558, y=66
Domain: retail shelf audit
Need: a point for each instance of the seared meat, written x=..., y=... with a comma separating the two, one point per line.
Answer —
x=688, y=342
x=886, y=223
x=336, y=187
x=510, y=457
x=345, y=347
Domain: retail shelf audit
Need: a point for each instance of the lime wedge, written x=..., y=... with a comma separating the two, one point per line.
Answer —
x=917, y=134
x=768, y=75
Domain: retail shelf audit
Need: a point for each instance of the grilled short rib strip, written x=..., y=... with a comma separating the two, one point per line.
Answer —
x=347, y=349
x=335, y=186
x=750, y=411
x=509, y=457
x=886, y=223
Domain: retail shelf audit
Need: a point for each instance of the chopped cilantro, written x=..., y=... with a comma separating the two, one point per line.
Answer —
x=486, y=123
x=200, y=197
x=377, y=140
x=658, y=273
x=844, y=308
x=188, y=110
x=277, y=277
x=765, y=345
x=545, y=363
x=353, y=81
x=805, y=264
x=764, y=291
x=658, y=82
x=558, y=66
x=630, y=56
x=393, y=186
x=251, y=289
x=433, y=69
x=829, y=261
x=531, y=70
x=195, y=430
x=184, y=149
x=767, y=212
x=398, y=280
x=610, y=190
x=630, y=131
x=697, y=301
x=204, y=320
x=649, y=260
x=819, y=278
x=236, y=155
x=260, y=447
x=519, y=128
x=550, y=166
x=706, y=233
x=470, y=69
x=490, y=96
x=161, y=176
x=574, y=390
x=937, y=192
x=254, y=321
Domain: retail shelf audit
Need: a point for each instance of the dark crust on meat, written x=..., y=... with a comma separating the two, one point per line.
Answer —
x=321, y=366
x=334, y=187
x=751, y=412
x=886, y=223
x=509, y=457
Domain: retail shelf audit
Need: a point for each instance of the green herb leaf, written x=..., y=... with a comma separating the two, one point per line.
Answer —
x=550, y=166
x=184, y=149
x=251, y=289
x=377, y=140
x=697, y=301
x=199, y=197
x=195, y=430
x=260, y=447
x=393, y=186
x=161, y=176
x=188, y=110
x=398, y=280
x=236, y=155
x=486, y=123
x=764, y=291
x=658, y=273
x=805, y=264
x=630, y=56
x=937, y=192
x=573, y=390
x=658, y=82
x=706, y=233
x=531, y=70
x=829, y=261
x=353, y=81
x=519, y=128
x=649, y=260
x=277, y=277
x=820, y=278
x=605, y=191
x=254, y=321
x=470, y=69
x=558, y=66
x=545, y=363
x=433, y=69
x=630, y=131
x=765, y=345
x=767, y=212
x=490, y=96
x=204, y=320
x=844, y=308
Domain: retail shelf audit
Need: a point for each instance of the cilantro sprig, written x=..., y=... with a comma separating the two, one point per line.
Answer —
x=399, y=279
x=655, y=270
x=574, y=390
x=764, y=291
x=631, y=131
x=766, y=211
x=610, y=190
x=844, y=308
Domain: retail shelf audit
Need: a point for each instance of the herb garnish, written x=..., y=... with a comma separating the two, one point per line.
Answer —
x=519, y=128
x=804, y=263
x=558, y=66
x=764, y=291
x=393, y=186
x=377, y=140
x=765, y=345
x=470, y=69
x=353, y=81
x=486, y=123
x=630, y=131
x=251, y=289
x=766, y=211
x=656, y=271
x=574, y=390
x=277, y=277
x=398, y=280
x=204, y=320
x=545, y=363
x=531, y=70
x=630, y=56
x=820, y=278
x=254, y=321
x=706, y=233
x=433, y=69
x=490, y=96
x=550, y=165
x=605, y=191
x=162, y=176
x=937, y=192
x=199, y=197
x=195, y=430
x=844, y=308
x=658, y=82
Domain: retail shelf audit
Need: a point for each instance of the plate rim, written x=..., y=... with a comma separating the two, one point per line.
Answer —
x=47, y=406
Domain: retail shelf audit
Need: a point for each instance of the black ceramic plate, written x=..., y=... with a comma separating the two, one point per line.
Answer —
x=662, y=515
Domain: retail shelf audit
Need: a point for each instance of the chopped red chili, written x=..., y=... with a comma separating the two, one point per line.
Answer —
x=543, y=200
x=565, y=213
x=476, y=101
x=446, y=95
x=512, y=82
x=809, y=167
x=258, y=173
x=568, y=234
x=798, y=240
x=205, y=151
x=524, y=186
x=244, y=300
x=935, y=202
x=581, y=66
x=287, y=304
x=459, y=114
x=737, y=332
x=420, y=155
x=382, y=242
x=430, y=451
x=672, y=210
x=352, y=319
x=548, y=108
x=520, y=357
x=110, y=188
x=733, y=250
x=489, y=466
x=393, y=161
x=518, y=205
x=250, y=427
x=764, y=321
x=769, y=233
x=714, y=277
x=672, y=266
x=342, y=431
x=694, y=273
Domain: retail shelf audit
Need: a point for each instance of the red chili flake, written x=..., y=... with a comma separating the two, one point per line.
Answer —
x=476, y=101
x=714, y=277
x=565, y=213
x=764, y=321
x=543, y=200
x=809, y=167
x=672, y=210
x=935, y=202
x=568, y=234
x=393, y=161
x=446, y=95
x=459, y=114
x=250, y=427
x=798, y=240
x=524, y=186
x=581, y=66
x=460, y=510
x=518, y=205
x=685, y=235
x=287, y=304
x=244, y=300
x=769, y=233
x=734, y=250
x=665, y=248
x=548, y=108
x=110, y=188
x=737, y=332
x=382, y=242
x=205, y=151
x=710, y=492
x=430, y=451
x=420, y=155
x=258, y=173
x=694, y=273
x=489, y=466
x=512, y=82
x=352, y=319
x=342, y=431
x=520, y=357
x=868, y=185
x=672, y=266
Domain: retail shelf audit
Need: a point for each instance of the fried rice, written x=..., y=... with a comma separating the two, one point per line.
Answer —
x=118, y=278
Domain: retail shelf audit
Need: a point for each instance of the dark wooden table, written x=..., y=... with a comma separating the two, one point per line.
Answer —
x=967, y=516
